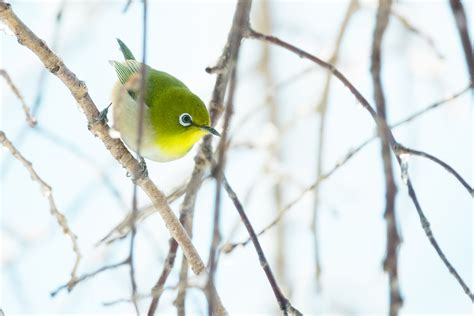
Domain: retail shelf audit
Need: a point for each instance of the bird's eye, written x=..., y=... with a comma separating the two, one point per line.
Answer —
x=185, y=119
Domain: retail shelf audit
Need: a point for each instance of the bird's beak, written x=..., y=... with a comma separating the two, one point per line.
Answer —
x=210, y=130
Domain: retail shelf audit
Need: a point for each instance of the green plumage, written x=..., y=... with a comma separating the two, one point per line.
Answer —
x=167, y=100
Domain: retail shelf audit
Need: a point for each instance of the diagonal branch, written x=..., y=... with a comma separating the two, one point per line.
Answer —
x=29, y=116
x=48, y=193
x=379, y=121
x=116, y=147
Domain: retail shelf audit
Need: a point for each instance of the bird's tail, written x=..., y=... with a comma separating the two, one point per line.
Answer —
x=127, y=53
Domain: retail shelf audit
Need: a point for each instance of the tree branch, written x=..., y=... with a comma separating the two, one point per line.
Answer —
x=462, y=25
x=116, y=147
x=390, y=263
x=47, y=191
x=379, y=121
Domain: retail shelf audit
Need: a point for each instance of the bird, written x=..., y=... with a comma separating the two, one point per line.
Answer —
x=174, y=118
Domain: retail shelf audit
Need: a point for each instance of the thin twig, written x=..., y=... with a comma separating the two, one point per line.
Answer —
x=462, y=25
x=47, y=191
x=347, y=157
x=202, y=158
x=322, y=109
x=88, y=276
x=447, y=167
x=390, y=262
x=100, y=129
x=29, y=117
x=379, y=121
x=218, y=173
x=413, y=29
x=283, y=302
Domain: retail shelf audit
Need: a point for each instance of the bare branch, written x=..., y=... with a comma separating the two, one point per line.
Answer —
x=379, y=121
x=283, y=302
x=29, y=117
x=390, y=263
x=88, y=276
x=404, y=150
x=462, y=25
x=322, y=110
x=413, y=29
x=47, y=191
x=115, y=146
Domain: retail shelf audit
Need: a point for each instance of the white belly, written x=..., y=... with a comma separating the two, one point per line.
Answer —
x=125, y=120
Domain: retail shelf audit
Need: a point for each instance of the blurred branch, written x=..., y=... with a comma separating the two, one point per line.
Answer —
x=390, y=262
x=352, y=8
x=350, y=154
x=225, y=65
x=29, y=117
x=283, y=302
x=115, y=146
x=379, y=121
x=413, y=29
x=218, y=174
x=47, y=191
x=141, y=114
x=87, y=276
x=41, y=86
x=462, y=25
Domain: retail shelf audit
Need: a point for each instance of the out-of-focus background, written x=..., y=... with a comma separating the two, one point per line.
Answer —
x=184, y=38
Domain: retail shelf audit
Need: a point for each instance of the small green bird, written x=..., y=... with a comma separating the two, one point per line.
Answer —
x=174, y=117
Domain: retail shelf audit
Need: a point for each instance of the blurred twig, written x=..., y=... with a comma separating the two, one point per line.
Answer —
x=381, y=123
x=88, y=276
x=347, y=157
x=322, y=109
x=48, y=193
x=225, y=65
x=29, y=117
x=390, y=262
x=413, y=29
x=41, y=86
x=462, y=25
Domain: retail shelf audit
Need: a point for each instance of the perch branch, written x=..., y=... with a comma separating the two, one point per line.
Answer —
x=116, y=147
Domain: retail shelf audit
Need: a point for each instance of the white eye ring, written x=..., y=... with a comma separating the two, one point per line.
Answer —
x=185, y=119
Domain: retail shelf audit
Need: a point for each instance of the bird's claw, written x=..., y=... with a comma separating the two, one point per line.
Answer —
x=143, y=168
x=103, y=114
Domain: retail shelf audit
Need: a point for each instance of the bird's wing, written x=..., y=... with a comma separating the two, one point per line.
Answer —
x=125, y=70
x=127, y=53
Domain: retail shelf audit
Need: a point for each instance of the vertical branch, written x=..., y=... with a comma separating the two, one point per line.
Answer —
x=322, y=109
x=462, y=25
x=223, y=69
x=141, y=112
x=275, y=148
x=218, y=172
x=393, y=240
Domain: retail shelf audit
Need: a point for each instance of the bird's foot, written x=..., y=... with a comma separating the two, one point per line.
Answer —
x=103, y=114
x=143, y=168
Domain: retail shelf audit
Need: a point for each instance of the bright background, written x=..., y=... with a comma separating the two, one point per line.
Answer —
x=184, y=38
